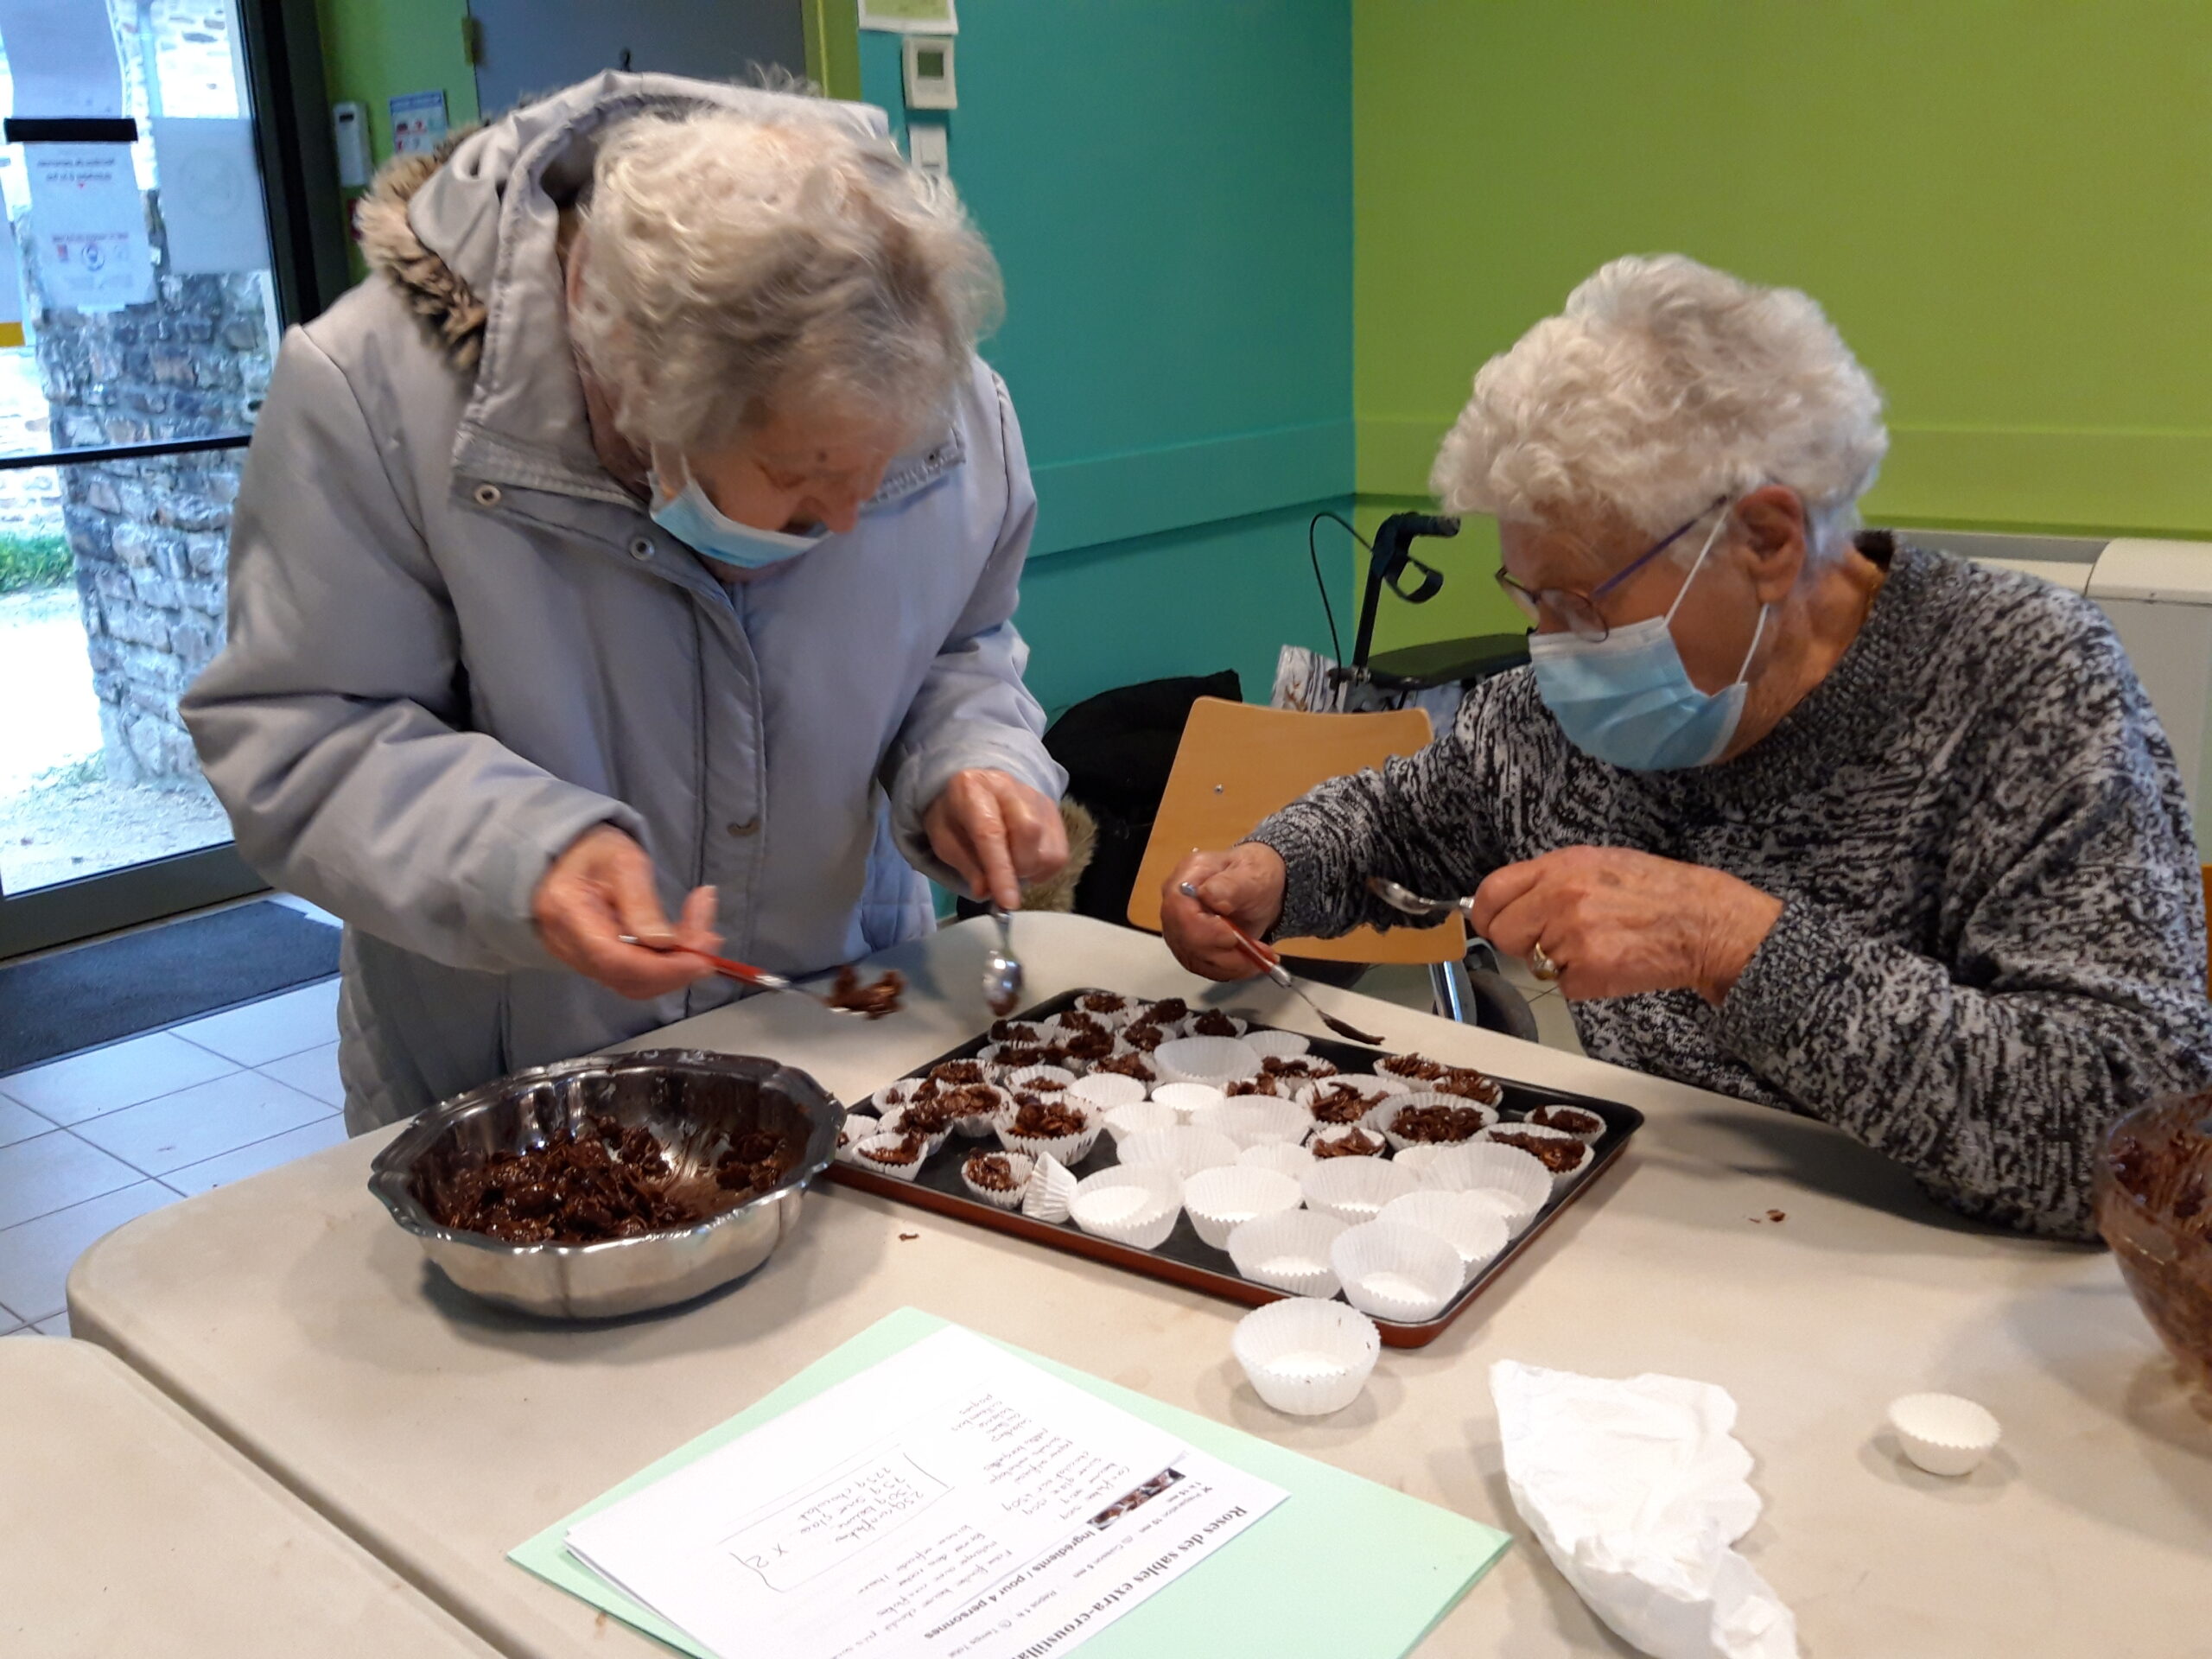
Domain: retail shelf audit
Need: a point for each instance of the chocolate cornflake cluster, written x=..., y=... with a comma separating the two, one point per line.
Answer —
x=1438, y=1125
x=971, y=1100
x=957, y=1074
x=1043, y=1117
x=1015, y=1056
x=1095, y=1043
x=990, y=1171
x=1127, y=1066
x=1338, y=1103
x=1143, y=1036
x=1102, y=1003
x=933, y=1114
x=1556, y=1155
x=874, y=1001
x=1469, y=1084
x=1016, y=1031
x=1214, y=1023
x=1263, y=1085
x=1165, y=1012
x=757, y=1161
x=1358, y=1144
x=906, y=1149
x=1571, y=1119
x=1419, y=1067
x=1305, y=1067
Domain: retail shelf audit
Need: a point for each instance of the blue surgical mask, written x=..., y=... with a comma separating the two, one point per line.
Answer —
x=1627, y=699
x=701, y=526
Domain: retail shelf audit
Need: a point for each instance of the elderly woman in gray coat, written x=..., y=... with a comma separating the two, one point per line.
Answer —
x=640, y=543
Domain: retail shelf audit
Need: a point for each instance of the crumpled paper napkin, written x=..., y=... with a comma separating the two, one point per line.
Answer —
x=1637, y=1489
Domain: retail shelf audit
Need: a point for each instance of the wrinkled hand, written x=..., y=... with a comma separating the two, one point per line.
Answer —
x=997, y=832
x=1243, y=884
x=602, y=887
x=1616, y=923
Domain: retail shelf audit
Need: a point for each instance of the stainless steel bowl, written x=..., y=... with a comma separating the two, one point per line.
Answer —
x=693, y=1102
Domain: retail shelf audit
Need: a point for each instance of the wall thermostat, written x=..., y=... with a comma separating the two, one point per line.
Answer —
x=926, y=147
x=929, y=72
x=349, y=130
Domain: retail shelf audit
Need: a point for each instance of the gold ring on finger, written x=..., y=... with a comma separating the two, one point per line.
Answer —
x=1541, y=965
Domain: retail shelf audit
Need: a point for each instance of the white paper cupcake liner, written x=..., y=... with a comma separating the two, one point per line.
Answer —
x=1476, y=1231
x=1288, y=1251
x=1279, y=1044
x=1028, y=1076
x=1514, y=1210
x=1588, y=1137
x=1215, y=1061
x=1069, y=1149
x=1183, y=1149
x=1282, y=1157
x=1305, y=1356
x=1107, y=1089
x=1393, y=1272
x=1414, y=1160
x=1486, y=1164
x=1385, y=1115
x=1024, y=1167
x=1944, y=1433
x=893, y=1123
x=1019, y=1031
x=1330, y=1133
x=1125, y=1009
x=1375, y=1088
x=1253, y=1121
x=1187, y=1098
x=1404, y=1080
x=1139, y=1117
x=1560, y=1179
x=1050, y=1185
x=857, y=1128
x=1132, y=1206
x=1354, y=1189
x=1470, y=1086
x=1117, y=1067
x=899, y=1172
x=894, y=1093
x=974, y=1125
x=1000, y=1068
x=1221, y=1200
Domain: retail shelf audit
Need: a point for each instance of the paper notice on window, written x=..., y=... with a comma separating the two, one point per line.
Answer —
x=951, y=1503
x=61, y=57
x=11, y=286
x=88, y=225
x=210, y=194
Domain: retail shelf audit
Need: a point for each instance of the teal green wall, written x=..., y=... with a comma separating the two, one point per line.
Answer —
x=2005, y=207
x=1168, y=188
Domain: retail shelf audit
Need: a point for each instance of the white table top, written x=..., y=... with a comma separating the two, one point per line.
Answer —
x=127, y=1528
x=291, y=1315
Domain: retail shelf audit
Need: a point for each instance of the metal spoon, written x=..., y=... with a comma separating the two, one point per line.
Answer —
x=1430, y=910
x=744, y=973
x=1002, y=970
x=1271, y=965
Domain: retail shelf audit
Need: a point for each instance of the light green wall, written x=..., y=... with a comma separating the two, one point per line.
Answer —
x=2005, y=207
x=373, y=49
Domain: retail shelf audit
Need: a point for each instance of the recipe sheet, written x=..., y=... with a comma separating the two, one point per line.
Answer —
x=951, y=1502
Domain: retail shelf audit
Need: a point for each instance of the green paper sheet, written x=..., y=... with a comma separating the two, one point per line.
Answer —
x=1281, y=1589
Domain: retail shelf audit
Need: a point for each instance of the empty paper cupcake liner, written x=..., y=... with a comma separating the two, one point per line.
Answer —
x=1514, y=1210
x=1055, y=1079
x=1108, y=1089
x=1050, y=1186
x=1250, y=1121
x=1221, y=1200
x=1021, y=1165
x=1393, y=1272
x=1187, y=1098
x=1288, y=1251
x=1520, y=1174
x=1386, y=1114
x=1354, y=1189
x=1283, y=1158
x=1277, y=1045
x=1139, y=1117
x=1944, y=1433
x=1305, y=1356
x=866, y=1156
x=1560, y=1179
x=1589, y=1127
x=1478, y=1232
x=1183, y=1149
x=1215, y=1061
x=1136, y=1207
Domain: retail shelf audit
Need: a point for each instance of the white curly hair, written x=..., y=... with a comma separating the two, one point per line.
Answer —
x=1663, y=386
x=738, y=265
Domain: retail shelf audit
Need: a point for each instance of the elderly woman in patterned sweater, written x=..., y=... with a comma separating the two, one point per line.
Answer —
x=1804, y=817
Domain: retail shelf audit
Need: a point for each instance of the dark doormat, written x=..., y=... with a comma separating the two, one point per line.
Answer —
x=118, y=987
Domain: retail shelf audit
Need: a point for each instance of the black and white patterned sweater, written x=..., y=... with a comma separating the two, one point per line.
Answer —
x=1992, y=938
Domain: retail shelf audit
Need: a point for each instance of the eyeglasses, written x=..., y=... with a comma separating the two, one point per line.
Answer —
x=1579, y=610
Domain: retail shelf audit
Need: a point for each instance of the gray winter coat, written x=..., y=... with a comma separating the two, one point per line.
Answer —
x=455, y=643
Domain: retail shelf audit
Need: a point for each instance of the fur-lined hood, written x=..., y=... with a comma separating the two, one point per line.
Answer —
x=393, y=250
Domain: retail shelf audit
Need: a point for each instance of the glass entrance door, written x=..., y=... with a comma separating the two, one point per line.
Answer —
x=137, y=341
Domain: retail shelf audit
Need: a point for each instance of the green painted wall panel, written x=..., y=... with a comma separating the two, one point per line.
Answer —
x=373, y=49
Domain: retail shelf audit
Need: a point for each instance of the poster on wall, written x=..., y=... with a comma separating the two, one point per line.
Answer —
x=211, y=194
x=61, y=57
x=418, y=122
x=910, y=16
x=11, y=287
x=89, y=227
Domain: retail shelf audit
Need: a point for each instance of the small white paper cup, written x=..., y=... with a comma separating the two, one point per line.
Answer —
x=1385, y=1115
x=1560, y=1179
x=1511, y=1208
x=1139, y=1117
x=1329, y=1134
x=1414, y=1160
x=1487, y=1164
x=1019, y=1031
x=1390, y=1271
x=1050, y=1186
x=893, y=1124
x=1024, y=1167
x=1470, y=1084
x=972, y=1124
x=1122, y=1011
x=1375, y=1088
x=1029, y=1076
x=1107, y=1089
x=857, y=1127
x=1187, y=1098
x=1277, y=1045
x=894, y=1094
x=1284, y=1158
x=905, y=1171
x=1132, y=1206
x=1183, y=1149
x=959, y=1079
x=1222, y=1199
x=992, y=1056
x=1069, y=1149
x=1589, y=1136
x=1354, y=1190
x=1115, y=1067
x=1944, y=1433
x=1478, y=1232
x=1287, y=1250
x=1306, y=1357
x=1214, y=1060
x=1254, y=1121
x=1217, y=1018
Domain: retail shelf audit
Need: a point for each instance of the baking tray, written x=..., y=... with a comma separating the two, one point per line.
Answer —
x=1183, y=1258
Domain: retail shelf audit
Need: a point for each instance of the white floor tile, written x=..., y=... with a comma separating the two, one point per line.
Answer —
x=230, y=1166
x=195, y=1124
x=20, y=1123
x=56, y=1326
x=110, y=1078
x=35, y=1257
x=269, y=1029
x=51, y=1171
x=312, y=1072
